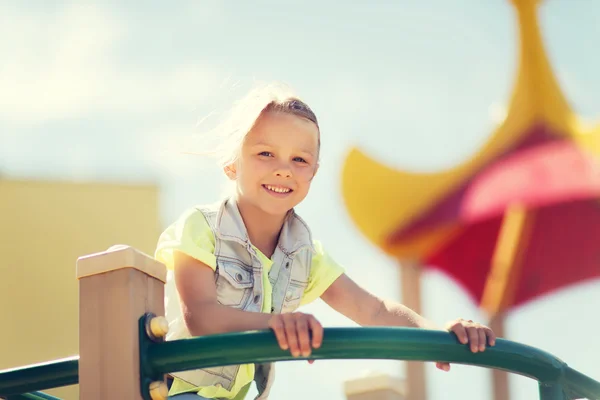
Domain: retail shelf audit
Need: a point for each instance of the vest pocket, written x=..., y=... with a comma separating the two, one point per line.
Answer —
x=295, y=290
x=234, y=284
x=293, y=296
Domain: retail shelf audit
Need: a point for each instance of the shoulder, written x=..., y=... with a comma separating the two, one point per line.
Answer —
x=192, y=233
x=318, y=246
x=197, y=217
x=191, y=224
x=324, y=270
x=321, y=257
x=208, y=210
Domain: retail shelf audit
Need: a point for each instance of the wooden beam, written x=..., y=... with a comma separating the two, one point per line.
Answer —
x=500, y=387
x=116, y=288
x=410, y=278
x=503, y=279
x=505, y=270
x=374, y=387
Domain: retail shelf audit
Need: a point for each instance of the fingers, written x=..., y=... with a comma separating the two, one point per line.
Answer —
x=276, y=324
x=482, y=339
x=317, y=332
x=303, y=336
x=291, y=335
x=473, y=338
x=460, y=332
x=293, y=332
x=491, y=336
x=475, y=334
x=443, y=366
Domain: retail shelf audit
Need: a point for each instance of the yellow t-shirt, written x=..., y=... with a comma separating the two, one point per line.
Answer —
x=192, y=235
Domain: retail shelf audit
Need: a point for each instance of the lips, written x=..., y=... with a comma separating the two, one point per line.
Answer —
x=278, y=189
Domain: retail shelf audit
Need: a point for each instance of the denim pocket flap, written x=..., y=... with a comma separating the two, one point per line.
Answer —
x=236, y=275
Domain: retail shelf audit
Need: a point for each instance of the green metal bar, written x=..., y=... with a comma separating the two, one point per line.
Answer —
x=552, y=391
x=338, y=343
x=581, y=385
x=352, y=343
x=364, y=343
x=39, y=376
x=32, y=396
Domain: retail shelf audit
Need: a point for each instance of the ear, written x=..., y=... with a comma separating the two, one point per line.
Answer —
x=230, y=171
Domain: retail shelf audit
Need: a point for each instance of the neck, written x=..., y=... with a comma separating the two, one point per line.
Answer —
x=263, y=228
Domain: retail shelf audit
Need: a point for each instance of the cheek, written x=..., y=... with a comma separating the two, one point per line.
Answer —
x=251, y=169
x=305, y=174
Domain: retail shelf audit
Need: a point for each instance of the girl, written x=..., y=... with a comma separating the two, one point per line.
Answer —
x=249, y=261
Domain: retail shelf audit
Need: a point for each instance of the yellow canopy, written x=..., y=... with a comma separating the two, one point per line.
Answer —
x=382, y=200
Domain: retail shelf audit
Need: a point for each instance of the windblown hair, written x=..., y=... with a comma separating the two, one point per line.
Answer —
x=232, y=131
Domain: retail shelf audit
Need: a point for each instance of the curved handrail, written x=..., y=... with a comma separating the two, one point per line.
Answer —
x=352, y=343
x=369, y=343
x=33, y=396
x=40, y=376
x=338, y=343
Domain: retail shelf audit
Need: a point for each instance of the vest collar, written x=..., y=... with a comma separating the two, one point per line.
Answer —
x=295, y=234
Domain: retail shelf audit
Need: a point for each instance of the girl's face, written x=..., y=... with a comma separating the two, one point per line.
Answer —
x=278, y=161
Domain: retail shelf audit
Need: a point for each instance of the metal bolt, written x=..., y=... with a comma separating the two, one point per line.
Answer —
x=157, y=328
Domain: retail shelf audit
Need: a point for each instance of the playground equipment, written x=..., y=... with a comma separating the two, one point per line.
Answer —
x=504, y=223
x=123, y=355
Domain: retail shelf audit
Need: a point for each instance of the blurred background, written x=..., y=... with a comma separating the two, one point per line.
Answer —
x=100, y=100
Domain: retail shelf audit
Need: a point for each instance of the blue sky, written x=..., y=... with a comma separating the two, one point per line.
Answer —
x=113, y=91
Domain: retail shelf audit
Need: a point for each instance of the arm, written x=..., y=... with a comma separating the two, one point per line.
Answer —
x=203, y=315
x=366, y=309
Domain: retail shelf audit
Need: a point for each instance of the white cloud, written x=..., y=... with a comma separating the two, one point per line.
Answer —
x=67, y=65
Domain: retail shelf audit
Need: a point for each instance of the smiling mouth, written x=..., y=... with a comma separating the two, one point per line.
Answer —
x=277, y=189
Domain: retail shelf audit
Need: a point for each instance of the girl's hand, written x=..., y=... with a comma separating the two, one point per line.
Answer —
x=469, y=332
x=293, y=332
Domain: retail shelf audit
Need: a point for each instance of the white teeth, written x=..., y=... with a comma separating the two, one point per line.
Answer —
x=277, y=189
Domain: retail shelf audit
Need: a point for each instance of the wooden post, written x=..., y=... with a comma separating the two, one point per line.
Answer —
x=500, y=385
x=116, y=287
x=374, y=387
x=410, y=277
x=503, y=278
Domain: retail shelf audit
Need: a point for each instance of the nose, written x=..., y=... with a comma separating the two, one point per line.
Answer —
x=283, y=170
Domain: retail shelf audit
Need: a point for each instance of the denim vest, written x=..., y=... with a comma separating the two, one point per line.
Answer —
x=239, y=282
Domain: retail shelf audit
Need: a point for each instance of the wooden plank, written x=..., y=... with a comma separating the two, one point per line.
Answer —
x=410, y=277
x=374, y=387
x=500, y=386
x=111, y=304
x=503, y=279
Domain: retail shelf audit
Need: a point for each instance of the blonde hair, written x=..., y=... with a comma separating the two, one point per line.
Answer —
x=231, y=132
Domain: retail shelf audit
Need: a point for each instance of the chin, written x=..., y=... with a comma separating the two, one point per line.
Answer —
x=277, y=207
x=276, y=210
